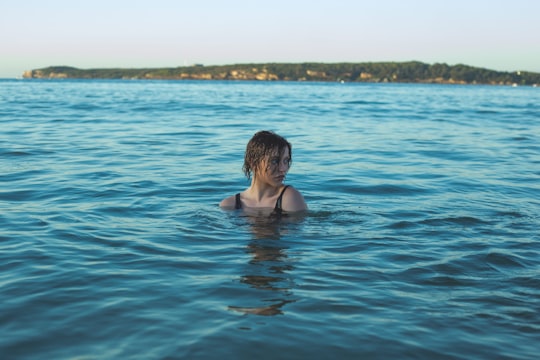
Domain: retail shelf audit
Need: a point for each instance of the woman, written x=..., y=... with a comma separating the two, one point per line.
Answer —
x=267, y=161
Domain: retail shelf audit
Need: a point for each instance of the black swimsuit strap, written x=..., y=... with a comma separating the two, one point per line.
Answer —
x=280, y=198
x=238, y=203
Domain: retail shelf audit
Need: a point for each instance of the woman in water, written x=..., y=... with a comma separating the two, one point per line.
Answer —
x=267, y=161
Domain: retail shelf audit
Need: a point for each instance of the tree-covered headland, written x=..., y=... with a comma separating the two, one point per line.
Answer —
x=393, y=72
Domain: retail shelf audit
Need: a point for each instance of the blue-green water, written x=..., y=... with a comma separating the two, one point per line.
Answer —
x=422, y=238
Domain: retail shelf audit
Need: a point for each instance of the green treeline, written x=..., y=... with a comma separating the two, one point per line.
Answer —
x=404, y=72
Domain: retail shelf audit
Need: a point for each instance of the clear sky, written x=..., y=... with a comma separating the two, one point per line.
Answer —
x=494, y=34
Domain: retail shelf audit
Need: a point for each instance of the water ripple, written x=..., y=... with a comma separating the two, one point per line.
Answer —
x=420, y=240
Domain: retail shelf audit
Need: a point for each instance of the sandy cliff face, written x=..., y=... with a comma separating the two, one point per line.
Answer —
x=38, y=74
x=253, y=74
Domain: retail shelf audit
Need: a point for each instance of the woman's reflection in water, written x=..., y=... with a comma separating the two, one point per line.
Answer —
x=269, y=268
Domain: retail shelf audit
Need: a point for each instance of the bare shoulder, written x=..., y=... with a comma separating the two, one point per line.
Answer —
x=293, y=200
x=228, y=202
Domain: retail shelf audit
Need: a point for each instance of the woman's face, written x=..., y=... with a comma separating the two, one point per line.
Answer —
x=274, y=168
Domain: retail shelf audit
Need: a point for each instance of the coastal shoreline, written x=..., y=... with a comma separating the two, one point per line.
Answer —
x=373, y=72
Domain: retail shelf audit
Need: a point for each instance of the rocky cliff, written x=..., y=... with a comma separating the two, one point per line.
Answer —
x=404, y=72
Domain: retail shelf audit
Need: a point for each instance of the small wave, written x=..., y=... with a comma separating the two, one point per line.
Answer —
x=460, y=220
x=444, y=275
x=350, y=187
x=403, y=225
x=500, y=261
x=391, y=190
x=18, y=195
x=465, y=221
x=519, y=138
x=487, y=112
x=511, y=214
x=447, y=281
x=365, y=102
x=15, y=153
x=84, y=106
x=23, y=153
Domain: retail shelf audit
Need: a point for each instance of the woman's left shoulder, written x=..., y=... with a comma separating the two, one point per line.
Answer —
x=293, y=200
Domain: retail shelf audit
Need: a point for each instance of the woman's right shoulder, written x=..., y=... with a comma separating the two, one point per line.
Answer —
x=228, y=202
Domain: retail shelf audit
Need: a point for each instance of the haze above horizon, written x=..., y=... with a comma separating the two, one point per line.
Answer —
x=165, y=33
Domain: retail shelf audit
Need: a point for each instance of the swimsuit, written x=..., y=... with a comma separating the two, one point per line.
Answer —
x=277, y=209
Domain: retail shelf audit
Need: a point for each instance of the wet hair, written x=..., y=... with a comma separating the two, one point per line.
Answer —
x=262, y=145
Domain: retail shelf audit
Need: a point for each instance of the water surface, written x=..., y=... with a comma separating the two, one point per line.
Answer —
x=421, y=240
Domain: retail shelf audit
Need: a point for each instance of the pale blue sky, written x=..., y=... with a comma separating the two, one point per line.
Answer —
x=495, y=34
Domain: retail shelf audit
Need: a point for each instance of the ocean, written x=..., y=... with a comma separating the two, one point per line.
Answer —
x=421, y=241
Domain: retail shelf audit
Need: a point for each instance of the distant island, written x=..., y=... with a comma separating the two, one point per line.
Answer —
x=376, y=72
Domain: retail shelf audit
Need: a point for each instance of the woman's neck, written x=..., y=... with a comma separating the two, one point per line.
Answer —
x=260, y=191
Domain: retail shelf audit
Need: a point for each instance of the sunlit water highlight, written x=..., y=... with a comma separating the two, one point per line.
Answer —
x=421, y=240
